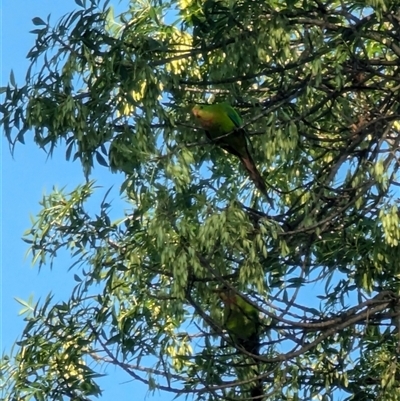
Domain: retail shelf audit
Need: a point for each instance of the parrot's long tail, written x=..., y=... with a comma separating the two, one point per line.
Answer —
x=250, y=166
x=252, y=345
x=257, y=392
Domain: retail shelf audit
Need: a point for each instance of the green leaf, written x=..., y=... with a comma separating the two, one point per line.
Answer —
x=101, y=160
x=12, y=79
x=38, y=21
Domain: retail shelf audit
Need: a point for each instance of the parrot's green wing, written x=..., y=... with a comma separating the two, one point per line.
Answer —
x=249, y=311
x=233, y=115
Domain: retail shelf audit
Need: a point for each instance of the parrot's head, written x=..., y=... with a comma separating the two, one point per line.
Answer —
x=204, y=114
x=198, y=110
x=226, y=294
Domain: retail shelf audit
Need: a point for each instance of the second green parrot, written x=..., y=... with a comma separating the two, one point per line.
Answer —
x=222, y=125
x=242, y=322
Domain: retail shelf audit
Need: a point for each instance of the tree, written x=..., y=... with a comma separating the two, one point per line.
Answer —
x=317, y=85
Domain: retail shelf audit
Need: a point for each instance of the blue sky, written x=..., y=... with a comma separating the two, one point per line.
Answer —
x=28, y=175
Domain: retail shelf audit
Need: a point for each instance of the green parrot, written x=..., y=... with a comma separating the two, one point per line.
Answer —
x=242, y=321
x=221, y=119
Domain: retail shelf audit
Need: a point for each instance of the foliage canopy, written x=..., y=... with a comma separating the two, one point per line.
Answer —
x=317, y=83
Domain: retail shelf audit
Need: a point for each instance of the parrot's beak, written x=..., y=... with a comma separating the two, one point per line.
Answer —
x=195, y=111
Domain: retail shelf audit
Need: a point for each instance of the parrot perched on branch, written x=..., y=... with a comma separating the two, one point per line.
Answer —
x=222, y=124
x=242, y=321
